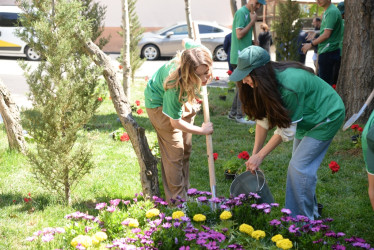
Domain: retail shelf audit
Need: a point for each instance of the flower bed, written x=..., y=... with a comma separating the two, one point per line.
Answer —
x=199, y=223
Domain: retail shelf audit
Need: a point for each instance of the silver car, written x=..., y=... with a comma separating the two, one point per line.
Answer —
x=167, y=41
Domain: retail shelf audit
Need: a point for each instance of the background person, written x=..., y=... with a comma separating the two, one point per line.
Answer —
x=329, y=41
x=169, y=98
x=264, y=38
x=302, y=107
x=368, y=152
x=242, y=27
x=316, y=23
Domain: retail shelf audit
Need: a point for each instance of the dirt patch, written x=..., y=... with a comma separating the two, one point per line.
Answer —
x=351, y=152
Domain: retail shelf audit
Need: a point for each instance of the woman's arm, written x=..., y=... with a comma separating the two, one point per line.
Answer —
x=205, y=129
x=259, y=152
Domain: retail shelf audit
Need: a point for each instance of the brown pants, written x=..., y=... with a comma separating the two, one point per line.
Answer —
x=175, y=146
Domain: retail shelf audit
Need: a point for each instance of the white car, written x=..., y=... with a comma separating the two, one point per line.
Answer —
x=10, y=44
x=167, y=41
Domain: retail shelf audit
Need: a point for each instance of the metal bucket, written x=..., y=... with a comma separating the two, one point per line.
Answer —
x=252, y=183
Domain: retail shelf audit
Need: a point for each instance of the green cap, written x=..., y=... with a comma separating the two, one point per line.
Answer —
x=341, y=7
x=249, y=59
x=370, y=150
x=262, y=2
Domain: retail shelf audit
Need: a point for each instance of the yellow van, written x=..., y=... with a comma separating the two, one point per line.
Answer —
x=10, y=44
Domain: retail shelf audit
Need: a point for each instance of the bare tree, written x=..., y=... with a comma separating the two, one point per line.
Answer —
x=126, y=49
x=188, y=17
x=10, y=114
x=356, y=77
x=147, y=162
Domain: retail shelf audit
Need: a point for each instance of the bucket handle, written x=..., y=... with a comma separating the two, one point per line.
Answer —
x=258, y=181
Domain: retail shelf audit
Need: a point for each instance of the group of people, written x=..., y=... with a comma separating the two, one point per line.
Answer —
x=287, y=96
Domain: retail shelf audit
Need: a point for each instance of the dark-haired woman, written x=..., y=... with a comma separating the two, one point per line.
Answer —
x=302, y=107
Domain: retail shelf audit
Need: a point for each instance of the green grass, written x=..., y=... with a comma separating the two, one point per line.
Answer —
x=344, y=194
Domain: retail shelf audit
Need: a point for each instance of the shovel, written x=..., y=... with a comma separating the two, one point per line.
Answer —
x=357, y=115
x=209, y=144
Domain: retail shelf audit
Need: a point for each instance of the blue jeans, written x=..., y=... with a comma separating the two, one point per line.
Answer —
x=329, y=66
x=307, y=156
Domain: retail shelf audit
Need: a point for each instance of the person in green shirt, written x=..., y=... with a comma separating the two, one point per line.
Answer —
x=368, y=152
x=302, y=107
x=329, y=41
x=170, y=97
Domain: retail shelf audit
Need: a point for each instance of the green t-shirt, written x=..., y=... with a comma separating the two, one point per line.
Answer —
x=332, y=20
x=241, y=19
x=312, y=103
x=369, y=124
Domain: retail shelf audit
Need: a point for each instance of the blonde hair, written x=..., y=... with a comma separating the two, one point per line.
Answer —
x=184, y=77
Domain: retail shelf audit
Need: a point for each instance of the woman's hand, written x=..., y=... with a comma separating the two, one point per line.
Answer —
x=254, y=162
x=207, y=128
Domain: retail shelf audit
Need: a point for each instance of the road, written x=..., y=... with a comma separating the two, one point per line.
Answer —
x=12, y=75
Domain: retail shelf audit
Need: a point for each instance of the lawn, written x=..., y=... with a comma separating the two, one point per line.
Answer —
x=116, y=175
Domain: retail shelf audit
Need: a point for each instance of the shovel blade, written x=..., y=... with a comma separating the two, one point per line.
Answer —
x=350, y=121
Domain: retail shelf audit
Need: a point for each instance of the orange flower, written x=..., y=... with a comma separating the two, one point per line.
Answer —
x=120, y=66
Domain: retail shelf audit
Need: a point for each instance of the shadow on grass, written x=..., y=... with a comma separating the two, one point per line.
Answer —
x=28, y=203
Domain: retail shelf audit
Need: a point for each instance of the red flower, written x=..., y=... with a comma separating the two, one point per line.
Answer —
x=100, y=99
x=198, y=101
x=243, y=155
x=137, y=102
x=217, y=78
x=215, y=156
x=355, y=126
x=360, y=129
x=334, y=86
x=125, y=137
x=110, y=98
x=139, y=111
x=334, y=167
x=29, y=194
x=229, y=72
x=146, y=78
x=14, y=201
x=120, y=66
x=26, y=200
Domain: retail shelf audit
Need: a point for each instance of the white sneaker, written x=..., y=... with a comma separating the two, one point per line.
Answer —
x=245, y=121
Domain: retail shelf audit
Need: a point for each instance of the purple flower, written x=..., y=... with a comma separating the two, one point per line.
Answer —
x=87, y=229
x=127, y=202
x=330, y=234
x=100, y=206
x=224, y=207
x=361, y=244
x=338, y=247
x=115, y=202
x=135, y=200
x=275, y=222
x=184, y=248
x=302, y=218
x=177, y=224
x=317, y=241
x=47, y=237
x=60, y=230
x=340, y=234
x=224, y=230
x=293, y=228
x=168, y=218
x=200, y=241
x=274, y=204
x=136, y=230
x=215, y=200
x=32, y=238
x=190, y=236
x=192, y=191
x=286, y=211
x=202, y=199
x=111, y=209
x=267, y=210
x=37, y=233
x=166, y=225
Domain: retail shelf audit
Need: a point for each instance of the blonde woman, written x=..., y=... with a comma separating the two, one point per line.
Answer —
x=169, y=96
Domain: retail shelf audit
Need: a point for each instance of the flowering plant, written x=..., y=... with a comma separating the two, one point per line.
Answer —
x=356, y=137
x=235, y=164
x=235, y=223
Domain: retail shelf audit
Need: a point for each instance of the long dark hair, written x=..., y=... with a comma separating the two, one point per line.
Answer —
x=264, y=99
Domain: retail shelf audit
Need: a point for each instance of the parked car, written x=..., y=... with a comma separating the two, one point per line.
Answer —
x=10, y=44
x=167, y=41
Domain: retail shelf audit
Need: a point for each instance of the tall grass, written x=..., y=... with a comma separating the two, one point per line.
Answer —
x=343, y=194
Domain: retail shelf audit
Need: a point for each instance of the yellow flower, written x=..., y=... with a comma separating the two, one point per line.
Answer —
x=245, y=228
x=152, y=213
x=225, y=215
x=284, y=244
x=133, y=222
x=277, y=237
x=84, y=240
x=95, y=241
x=100, y=236
x=199, y=217
x=177, y=215
x=258, y=234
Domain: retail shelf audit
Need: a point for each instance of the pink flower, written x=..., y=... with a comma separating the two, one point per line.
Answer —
x=139, y=111
x=47, y=237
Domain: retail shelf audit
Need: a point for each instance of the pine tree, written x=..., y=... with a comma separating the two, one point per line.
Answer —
x=287, y=28
x=96, y=13
x=136, y=32
x=64, y=90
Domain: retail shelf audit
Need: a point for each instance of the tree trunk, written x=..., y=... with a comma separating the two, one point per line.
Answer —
x=356, y=76
x=188, y=17
x=10, y=114
x=147, y=162
x=233, y=7
x=126, y=48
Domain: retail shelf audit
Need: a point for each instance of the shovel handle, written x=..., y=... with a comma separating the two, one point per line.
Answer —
x=370, y=98
x=209, y=143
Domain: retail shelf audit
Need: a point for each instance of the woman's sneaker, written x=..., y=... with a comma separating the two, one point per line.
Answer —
x=245, y=121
